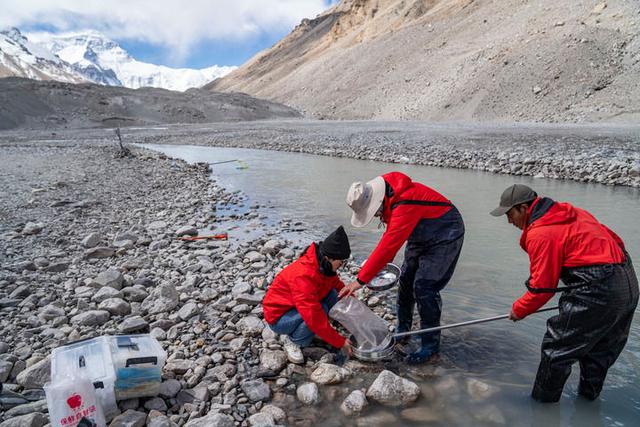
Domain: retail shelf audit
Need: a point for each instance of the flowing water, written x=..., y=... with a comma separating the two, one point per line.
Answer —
x=489, y=277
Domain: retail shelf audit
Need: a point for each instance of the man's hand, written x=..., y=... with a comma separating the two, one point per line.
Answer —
x=347, y=348
x=514, y=317
x=349, y=289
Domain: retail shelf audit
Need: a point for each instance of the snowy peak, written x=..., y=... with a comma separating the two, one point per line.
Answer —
x=19, y=57
x=106, y=62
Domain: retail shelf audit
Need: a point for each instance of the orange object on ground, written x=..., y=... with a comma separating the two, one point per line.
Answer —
x=221, y=236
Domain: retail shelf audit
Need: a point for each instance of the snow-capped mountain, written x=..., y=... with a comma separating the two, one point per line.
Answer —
x=21, y=58
x=104, y=61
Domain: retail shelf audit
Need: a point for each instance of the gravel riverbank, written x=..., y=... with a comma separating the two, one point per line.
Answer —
x=88, y=247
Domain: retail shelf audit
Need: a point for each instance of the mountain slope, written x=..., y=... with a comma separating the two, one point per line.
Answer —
x=107, y=63
x=447, y=60
x=31, y=104
x=21, y=58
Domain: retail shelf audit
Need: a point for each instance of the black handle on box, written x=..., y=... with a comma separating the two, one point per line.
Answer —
x=141, y=360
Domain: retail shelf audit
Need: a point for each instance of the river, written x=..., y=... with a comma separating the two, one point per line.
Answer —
x=490, y=275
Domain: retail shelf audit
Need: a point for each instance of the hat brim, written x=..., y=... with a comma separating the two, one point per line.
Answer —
x=364, y=216
x=500, y=210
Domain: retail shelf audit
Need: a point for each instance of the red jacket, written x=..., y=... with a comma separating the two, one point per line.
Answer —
x=562, y=236
x=400, y=220
x=302, y=286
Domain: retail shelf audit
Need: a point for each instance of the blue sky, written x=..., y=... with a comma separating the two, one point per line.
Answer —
x=194, y=34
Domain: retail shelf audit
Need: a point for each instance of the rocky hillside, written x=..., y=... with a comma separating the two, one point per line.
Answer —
x=30, y=104
x=449, y=60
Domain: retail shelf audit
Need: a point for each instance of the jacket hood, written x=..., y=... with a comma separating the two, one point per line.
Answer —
x=397, y=183
x=544, y=212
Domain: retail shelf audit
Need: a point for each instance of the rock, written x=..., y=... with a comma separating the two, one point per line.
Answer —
x=129, y=418
x=91, y=318
x=250, y=326
x=157, y=419
x=91, y=240
x=392, y=390
x=27, y=408
x=4, y=347
x=254, y=256
x=105, y=293
x=379, y=419
x=155, y=403
x=237, y=344
x=178, y=366
x=421, y=414
x=36, y=419
x=479, y=390
x=326, y=373
x=194, y=395
x=133, y=324
x=169, y=388
x=111, y=277
x=50, y=312
x=536, y=90
x=5, y=369
x=35, y=376
x=188, y=311
x=187, y=230
x=157, y=225
x=32, y=228
x=276, y=413
x=599, y=8
x=99, y=252
x=162, y=299
x=308, y=393
x=158, y=334
x=256, y=390
x=115, y=306
x=134, y=293
x=271, y=247
x=354, y=403
x=261, y=419
x=286, y=253
x=240, y=289
x=249, y=299
x=20, y=292
x=212, y=420
x=276, y=360
x=57, y=267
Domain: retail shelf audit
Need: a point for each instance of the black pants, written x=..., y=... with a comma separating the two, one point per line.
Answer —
x=592, y=329
x=430, y=259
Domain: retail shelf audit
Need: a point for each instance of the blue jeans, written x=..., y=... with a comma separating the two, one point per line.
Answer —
x=430, y=259
x=291, y=322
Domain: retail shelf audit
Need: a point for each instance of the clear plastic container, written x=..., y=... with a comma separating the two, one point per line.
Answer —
x=137, y=361
x=91, y=360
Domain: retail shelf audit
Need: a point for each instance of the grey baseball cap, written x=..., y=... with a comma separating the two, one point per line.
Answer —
x=512, y=196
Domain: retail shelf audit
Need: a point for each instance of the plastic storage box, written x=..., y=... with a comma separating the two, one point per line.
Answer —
x=89, y=359
x=137, y=362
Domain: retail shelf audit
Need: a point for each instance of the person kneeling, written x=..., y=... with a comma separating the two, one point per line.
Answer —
x=298, y=300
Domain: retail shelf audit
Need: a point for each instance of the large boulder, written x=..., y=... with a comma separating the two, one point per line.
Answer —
x=354, y=403
x=392, y=390
x=308, y=393
x=35, y=376
x=327, y=373
x=162, y=299
x=215, y=419
x=91, y=318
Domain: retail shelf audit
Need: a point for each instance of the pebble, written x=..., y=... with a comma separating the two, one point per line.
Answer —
x=308, y=393
x=354, y=403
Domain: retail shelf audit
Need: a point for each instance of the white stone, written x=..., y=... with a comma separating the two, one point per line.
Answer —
x=354, y=403
x=326, y=373
x=308, y=393
x=392, y=390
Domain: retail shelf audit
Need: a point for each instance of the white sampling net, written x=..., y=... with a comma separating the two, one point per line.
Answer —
x=370, y=331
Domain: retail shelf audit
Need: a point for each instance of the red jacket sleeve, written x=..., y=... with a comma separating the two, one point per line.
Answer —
x=546, y=259
x=398, y=231
x=307, y=302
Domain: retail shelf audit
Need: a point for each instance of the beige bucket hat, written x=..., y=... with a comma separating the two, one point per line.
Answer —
x=365, y=199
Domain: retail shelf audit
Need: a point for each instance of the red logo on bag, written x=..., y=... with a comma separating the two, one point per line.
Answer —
x=74, y=401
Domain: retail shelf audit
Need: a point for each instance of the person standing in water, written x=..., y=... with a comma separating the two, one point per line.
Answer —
x=599, y=296
x=433, y=229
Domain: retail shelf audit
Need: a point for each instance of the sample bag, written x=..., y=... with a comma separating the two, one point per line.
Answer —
x=370, y=331
x=73, y=400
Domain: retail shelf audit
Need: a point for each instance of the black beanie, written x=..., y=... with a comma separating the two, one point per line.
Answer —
x=336, y=245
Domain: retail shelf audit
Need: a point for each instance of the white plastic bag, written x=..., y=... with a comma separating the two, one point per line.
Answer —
x=71, y=400
x=370, y=330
